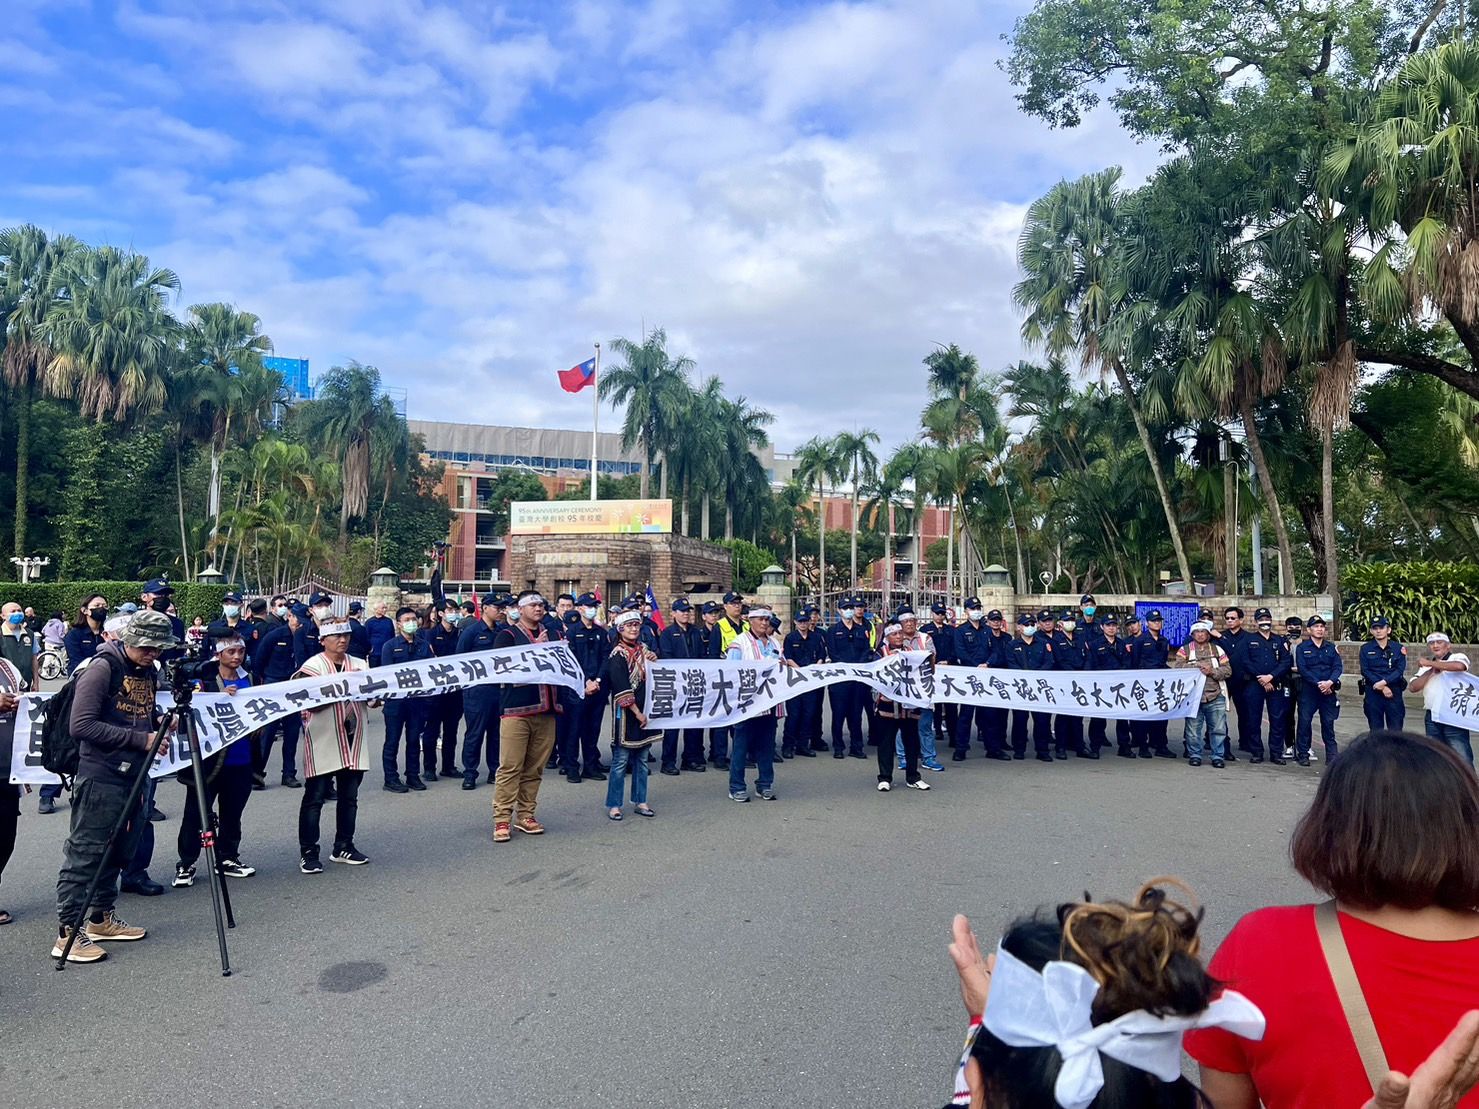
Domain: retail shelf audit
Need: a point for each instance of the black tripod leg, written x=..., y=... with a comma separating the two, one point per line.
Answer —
x=207, y=835
x=135, y=791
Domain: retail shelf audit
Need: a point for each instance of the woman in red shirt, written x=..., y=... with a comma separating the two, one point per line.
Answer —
x=1393, y=837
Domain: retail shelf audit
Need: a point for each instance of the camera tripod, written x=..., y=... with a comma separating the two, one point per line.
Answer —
x=183, y=719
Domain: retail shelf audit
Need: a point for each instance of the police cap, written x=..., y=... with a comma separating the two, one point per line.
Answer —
x=1045, y=614
x=587, y=600
x=1380, y=622
x=973, y=602
x=994, y=614
x=1087, y=599
x=320, y=599
x=233, y=597
x=1154, y=616
x=1111, y=619
x=1263, y=615
x=682, y=605
x=160, y=587
x=1314, y=620
x=939, y=608
x=732, y=598
x=492, y=600
x=712, y=606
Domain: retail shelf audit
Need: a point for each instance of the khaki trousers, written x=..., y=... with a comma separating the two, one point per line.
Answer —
x=524, y=747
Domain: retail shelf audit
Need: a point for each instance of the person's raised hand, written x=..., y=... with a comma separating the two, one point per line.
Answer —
x=974, y=971
x=1443, y=1079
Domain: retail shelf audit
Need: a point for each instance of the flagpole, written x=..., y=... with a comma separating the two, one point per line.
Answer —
x=595, y=415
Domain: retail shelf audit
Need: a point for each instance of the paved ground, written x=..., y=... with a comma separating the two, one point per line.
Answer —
x=769, y=956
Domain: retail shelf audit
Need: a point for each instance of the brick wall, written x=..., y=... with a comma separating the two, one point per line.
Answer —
x=674, y=564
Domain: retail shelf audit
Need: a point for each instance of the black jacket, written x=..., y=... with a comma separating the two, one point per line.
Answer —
x=113, y=714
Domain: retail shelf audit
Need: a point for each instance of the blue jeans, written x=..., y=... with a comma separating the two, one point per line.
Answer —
x=626, y=760
x=1211, y=722
x=927, y=750
x=1457, y=738
x=753, y=738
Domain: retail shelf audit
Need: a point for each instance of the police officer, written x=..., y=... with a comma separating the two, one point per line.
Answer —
x=848, y=640
x=591, y=649
x=1070, y=652
x=1383, y=663
x=1107, y=653
x=274, y=662
x=232, y=622
x=973, y=647
x=681, y=640
x=1033, y=650
x=1296, y=633
x=804, y=647
x=712, y=634
x=942, y=634
x=359, y=638
x=444, y=711
x=156, y=595
x=993, y=720
x=1152, y=651
x=404, y=714
x=1231, y=639
x=1090, y=629
x=1319, y=679
x=305, y=639
x=1266, y=659
x=482, y=705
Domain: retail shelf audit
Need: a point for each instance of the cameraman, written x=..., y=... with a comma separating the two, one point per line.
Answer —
x=227, y=776
x=1319, y=680
x=113, y=720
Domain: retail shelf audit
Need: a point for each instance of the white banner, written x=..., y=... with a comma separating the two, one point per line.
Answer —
x=716, y=692
x=221, y=719
x=1459, y=703
x=1101, y=694
x=710, y=693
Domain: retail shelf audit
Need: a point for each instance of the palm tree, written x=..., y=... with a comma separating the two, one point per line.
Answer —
x=743, y=430
x=656, y=393
x=111, y=337
x=854, y=450
x=817, y=463
x=30, y=288
x=1073, y=252
x=222, y=345
x=910, y=464
x=343, y=420
x=883, y=497
x=792, y=501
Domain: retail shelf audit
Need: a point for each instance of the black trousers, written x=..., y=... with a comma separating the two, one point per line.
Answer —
x=10, y=808
x=289, y=729
x=582, y=743
x=443, y=714
x=848, y=702
x=1068, y=733
x=346, y=809
x=1148, y=734
x=227, y=791
x=1042, y=732
x=890, y=727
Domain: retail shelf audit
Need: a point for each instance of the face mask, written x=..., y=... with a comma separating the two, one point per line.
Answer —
x=16, y=619
x=322, y=610
x=410, y=627
x=975, y=613
x=231, y=610
x=1089, y=610
x=160, y=604
x=1029, y=631
x=98, y=614
x=281, y=610
x=591, y=611
x=1068, y=625
x=848, y=613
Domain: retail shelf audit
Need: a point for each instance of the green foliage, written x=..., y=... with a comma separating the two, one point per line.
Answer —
x=1417, y=597
x=508, y=486
x=625, y=488
x=935, y=555
x=191, y=599
x=748, y=561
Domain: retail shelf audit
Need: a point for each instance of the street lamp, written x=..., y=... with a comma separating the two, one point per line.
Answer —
x=30, y=567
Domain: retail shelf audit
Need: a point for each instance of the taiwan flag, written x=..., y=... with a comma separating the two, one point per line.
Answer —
x=656, y=609
x=578, y=377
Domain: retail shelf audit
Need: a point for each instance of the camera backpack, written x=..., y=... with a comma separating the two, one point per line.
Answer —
x=60, y=753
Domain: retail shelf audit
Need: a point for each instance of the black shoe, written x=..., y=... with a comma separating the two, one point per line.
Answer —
x=155, y=815
x=1125, y=753
x=697, y=767
x=1194, y=761
x=395, y=785
x=1044, y=758
x=721, y=764
x=1302, y=762
x=259, y=779
x=450, y=772
x=573, y=777
x=1019, y=756
x=493, y=775
x=1218, y=764
x=788, y=752
x=1255, y=759
x=999, y=756
x=144, y=887
x=1147, y=754
x=858, y=754
x=1164, y=753
x=429, y=775
x=818, y=745
x=551, y=764
x=1280, y=761
x=839, y=754
x=958, y=756
x=417, y=784
x=1231, y=757
x=469, y=781
x=806, y=753
x=670, y=771
x=1061, y=756
x=596, y=773
x=291, y=781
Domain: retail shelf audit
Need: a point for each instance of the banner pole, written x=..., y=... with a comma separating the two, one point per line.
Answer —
x=595, y=415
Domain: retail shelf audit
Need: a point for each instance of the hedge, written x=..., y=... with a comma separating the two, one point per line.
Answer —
x=1417, y=597
x=191, y=598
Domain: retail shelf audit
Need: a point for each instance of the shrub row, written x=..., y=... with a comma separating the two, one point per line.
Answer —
x=1417, y=597
x=191, y=598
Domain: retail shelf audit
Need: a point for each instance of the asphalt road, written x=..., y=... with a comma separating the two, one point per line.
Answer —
x=786, y=955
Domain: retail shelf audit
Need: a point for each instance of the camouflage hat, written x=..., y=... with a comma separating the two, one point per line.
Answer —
x=150, y=629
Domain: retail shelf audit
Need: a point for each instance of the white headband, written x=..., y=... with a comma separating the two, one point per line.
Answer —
x=1201, y=626
x=625, y=618
x=1438, y=637
x=894, y=628
x=1053, y=1009
x=334, y=629
x=765, y=612
x=531, y=599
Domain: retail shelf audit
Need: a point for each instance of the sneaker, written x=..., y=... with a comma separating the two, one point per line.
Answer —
x=184, y=876
x=349, y=856
x=742, y=796
x=933, y=764
x=45, y=806
x=901, y=764
x=765, y=794
x=310, y=864
x=83, y=950
x=501, y=833
x=921, y=784
x=529, y=826
x=884, y=787
x=235, y=868
x=1288, y=752
x=112, y=927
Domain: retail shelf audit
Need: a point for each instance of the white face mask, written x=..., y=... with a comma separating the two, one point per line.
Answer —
x=322, y=610
x=975, y=614
x=281, y=610
x=1029, y=631
x=848, y=613
x=410, y=627
x=591, y=611
x=231, y=610
x=1068, y=625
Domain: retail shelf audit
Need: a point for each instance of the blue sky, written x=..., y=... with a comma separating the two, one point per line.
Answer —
x=807, y=196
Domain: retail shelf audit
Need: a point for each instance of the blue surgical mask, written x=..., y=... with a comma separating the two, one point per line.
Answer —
x=1029, y=631
x=231, y=610
x=591, y=612
x=281, y=610
x=848, y=613
x=16, y=619
x=975, y=614
x=1089, y=610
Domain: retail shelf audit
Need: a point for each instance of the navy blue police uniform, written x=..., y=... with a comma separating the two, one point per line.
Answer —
x=404, y=716
x=1231, y=643
x=1032, y=653
x=713, y=641
x=1266, y=655
x=803, y=727
x=1070, y=652
x=482, y=705
x=1106, y=653
x=591, y=648
x=976, y=645
x=1317, y=664
x=676, y=642
x=942, y=634
x=276, y=662
x=443, y=712
x=849, y=644
x=1383, y=664
x=1152, y=652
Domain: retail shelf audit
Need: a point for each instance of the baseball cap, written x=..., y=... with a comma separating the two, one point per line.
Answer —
x=1045, y=614
x=939, y=608
x=1087, y=599
x=585, y=600
x=994, y=614
x=320, y=599
x=732, y=597
x=158, y=586
x=232, y=596
x=973, y=602
x=711, y=606
x=1263, y=614
x=1153, y=614
x=1314, y=620
x=1380, y=622
x=355, y=606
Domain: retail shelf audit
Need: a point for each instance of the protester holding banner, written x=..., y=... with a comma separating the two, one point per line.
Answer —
x=227, y=776
x=915, y=640
x=334, y=754
x=897, y=722
x=755, y=737
x=527, y=729
x=1442, y=658
x=626, y=678
x=1211, y=718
